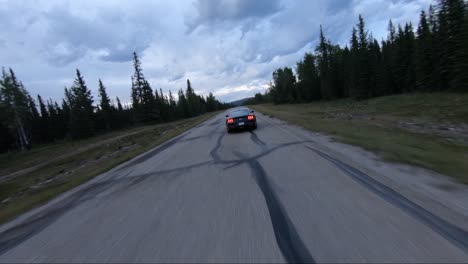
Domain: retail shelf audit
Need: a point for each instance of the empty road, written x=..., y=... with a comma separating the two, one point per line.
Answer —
x=271, y=195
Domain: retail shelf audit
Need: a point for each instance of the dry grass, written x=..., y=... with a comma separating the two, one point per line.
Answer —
x=438, y=142
x=53, y=172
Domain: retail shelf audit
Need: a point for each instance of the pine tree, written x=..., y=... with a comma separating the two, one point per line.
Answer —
x=119, y=104
x=284, y=83
x=105, y=106
x=391, y=32
x=172, y=107
x=354, y=70
x=323, y=54
x=44, y=127
x=189, y=94
x=201, y=104
x=276, y=88
x=435, y=83
x=61, y=121
x=460, y=82
x=172, y=101
x=138, y=87
x=193, y=102
x=363, y=89
x=120, y=117
x=35, y=120
x=308, y=78
x=151, y=111
x=14, y=98
x=65, y=117
x=54, y=125
x=182, y=105
x=424, y=61
x=6, y=138
x=105, y=101
x=163, y=106
x=450, y=32
x=210, y=103
x=337, y=71
x=409, y=41
x=81, y=109
x=376, y=80
x=389, y=61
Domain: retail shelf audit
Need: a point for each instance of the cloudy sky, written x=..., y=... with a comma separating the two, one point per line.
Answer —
x=228, y=47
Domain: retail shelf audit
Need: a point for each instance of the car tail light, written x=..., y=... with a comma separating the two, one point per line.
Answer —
x=230, y=121
x=250, y=117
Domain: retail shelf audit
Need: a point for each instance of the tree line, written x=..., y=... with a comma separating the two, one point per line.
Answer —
x=434, y=57
x=25, y=121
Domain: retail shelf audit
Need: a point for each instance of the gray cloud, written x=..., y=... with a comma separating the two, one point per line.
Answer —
x=111, y=34
x=210, y=12
x=232, y=49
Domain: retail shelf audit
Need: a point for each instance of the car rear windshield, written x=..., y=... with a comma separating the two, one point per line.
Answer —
x=240, y=113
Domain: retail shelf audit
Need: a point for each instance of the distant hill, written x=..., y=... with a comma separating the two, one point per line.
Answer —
x=240, y=101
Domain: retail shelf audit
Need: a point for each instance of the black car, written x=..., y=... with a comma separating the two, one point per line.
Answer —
x=241, y=118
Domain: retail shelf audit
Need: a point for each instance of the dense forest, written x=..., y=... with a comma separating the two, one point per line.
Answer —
x=26, y=121
x=432, y=57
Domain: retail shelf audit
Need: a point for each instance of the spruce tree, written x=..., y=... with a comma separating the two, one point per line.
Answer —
x=308, y=78
x=451, y=21
x=137, y=94
x=44, y=127
x=65, y=117
x=151, y=111
x=354, y=69
x=423, y=54
x=105, y=106
x=182, y=105
x=409, y=55
x=105, y=101
x=81, y=109
x=119, y=104
x=16, y=104
x=193, y=102
x=54, y=130
x=35, y=120
x=323, y=53
x=172, y=101
x=363, y=90
x=460, y=82
x=210, y=103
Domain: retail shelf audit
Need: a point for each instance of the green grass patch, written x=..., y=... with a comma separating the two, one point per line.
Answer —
x=372, y=125
x=85, y=159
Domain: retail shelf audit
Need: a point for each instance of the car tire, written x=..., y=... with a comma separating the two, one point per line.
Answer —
x=228, y=130
x=255, y=126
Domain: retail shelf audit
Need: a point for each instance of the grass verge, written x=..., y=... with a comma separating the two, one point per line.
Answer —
x=434, y=140
x=58, y=167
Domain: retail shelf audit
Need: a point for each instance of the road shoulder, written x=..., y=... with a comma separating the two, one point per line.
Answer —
x=437, y=193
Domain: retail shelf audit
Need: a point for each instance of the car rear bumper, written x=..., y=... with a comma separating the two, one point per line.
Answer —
x=247, y=124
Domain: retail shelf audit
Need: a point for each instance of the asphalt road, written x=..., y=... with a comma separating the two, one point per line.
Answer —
x=208, y=196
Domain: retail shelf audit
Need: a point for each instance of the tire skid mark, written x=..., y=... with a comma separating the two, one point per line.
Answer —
x=290, y=243
x=454, y=234
x=10, y=238
x=214, y=152
x=255, y=138
x=234, y=163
